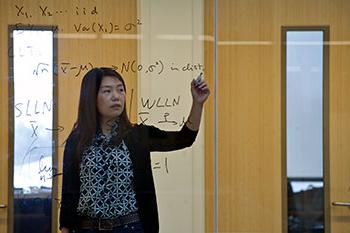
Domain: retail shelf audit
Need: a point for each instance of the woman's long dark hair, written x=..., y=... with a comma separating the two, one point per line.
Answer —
x=88, y=122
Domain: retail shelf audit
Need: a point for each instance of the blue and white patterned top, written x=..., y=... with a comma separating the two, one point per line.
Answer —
x=106, y=189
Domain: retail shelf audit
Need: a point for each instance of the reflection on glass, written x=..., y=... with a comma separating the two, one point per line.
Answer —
x=33, y=126
x=304, y=86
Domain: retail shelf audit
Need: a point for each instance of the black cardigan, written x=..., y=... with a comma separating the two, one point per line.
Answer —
x=141, y=140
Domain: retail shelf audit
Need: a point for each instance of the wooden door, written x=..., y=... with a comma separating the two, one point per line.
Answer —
x=4, y=156
x=339, y=140
x=249, y=112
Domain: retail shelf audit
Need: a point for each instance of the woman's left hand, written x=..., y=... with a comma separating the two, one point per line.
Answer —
x=200, y=91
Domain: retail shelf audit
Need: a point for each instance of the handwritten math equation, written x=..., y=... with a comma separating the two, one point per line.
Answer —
x=109, y=27
x=157, y=67
x=161, y=165
x=163, y=105
x=46, y=11
x=92, y=27
x=47, y=172
x=166, y=119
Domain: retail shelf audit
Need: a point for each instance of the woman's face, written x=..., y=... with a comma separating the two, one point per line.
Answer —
x=110, y=98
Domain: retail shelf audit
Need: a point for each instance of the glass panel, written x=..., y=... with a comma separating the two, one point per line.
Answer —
x=157, y=46
x=33, y=127
x=305, y=131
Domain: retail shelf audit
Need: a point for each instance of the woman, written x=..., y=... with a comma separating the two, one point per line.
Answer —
x=107, y=175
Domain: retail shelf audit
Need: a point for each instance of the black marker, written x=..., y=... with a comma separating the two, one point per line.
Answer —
x=199, y=79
